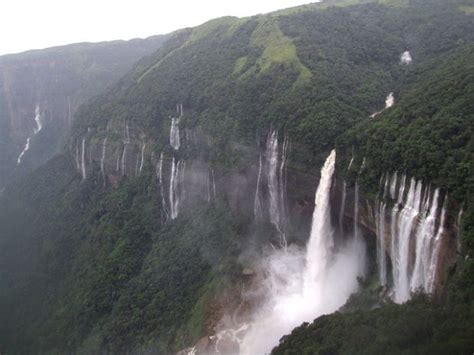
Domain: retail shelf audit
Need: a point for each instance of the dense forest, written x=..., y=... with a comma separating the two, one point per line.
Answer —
x=92, y=260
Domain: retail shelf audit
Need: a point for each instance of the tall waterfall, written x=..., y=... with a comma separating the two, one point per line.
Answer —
x=257, y=206
x=142, y=158
x=381, y=246
x=102, y=160
x=176, y=191
x=126, y=143
x=273, y=179
x=415, y=236
x=321, y=242
x=302, y=285
x=275, y=174
x=83, y=159
x=174, y=131
x=162, y=189
x=39, y=127
x=343, y=205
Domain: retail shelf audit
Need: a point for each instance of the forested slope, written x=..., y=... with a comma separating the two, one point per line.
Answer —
x=90, y=259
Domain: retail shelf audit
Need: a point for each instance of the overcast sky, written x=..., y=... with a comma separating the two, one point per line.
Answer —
x=32, y=24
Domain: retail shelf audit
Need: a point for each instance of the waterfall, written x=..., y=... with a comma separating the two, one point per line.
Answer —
x=389, y=101
x=173, y=188
x=142, y=158
x=174, y=131
x=350, y=163
x=405, y=58
x=433, y=268
x=276, y=183
x=415, y=238
x=176, y=191
x=273, y=183
x=343, y=204
x=213, y=183
x=125, y=147
x=36, y=130
x=162, y=191
x=381, y=246
x=25, y=149
x=302, y=285
x=78, y=164
x=83, y=159
x=356, y=211
x=257, y=206
x=102, y=159
x=282, y=184
x=39, y=125
x=321, y=240
x=211, y=180
x=424, y=246
x=117, y=163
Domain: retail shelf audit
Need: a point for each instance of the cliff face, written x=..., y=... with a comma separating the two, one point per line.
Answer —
x=41, y=90
x=412, y=238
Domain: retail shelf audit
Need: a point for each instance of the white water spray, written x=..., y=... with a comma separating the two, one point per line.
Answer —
x=162, y=190
x=174, y=130
x=36, y=130
x=142, y=159
x=83, y=159
x=415, y=238
x=275, y=171
x=406, y=58
x=304, y=285
x=257, y=206
x=389, y=102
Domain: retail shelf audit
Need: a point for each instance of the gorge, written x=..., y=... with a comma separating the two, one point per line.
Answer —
x=294, y=182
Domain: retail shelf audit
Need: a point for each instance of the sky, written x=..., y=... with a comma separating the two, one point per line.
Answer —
x=35, y=24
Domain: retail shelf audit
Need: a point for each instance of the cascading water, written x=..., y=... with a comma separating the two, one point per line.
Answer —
x=174, y=130
x=381, y=245
x=405, y=58
x=301, y=286
x=257, y=206
x=102, y=159
x=162, y=190
x=142, y=159
x=321, y=241
x=83, y=159
x=275, y=172
x=126, y=143
x=39, y=127
x=389, y=102
x=273, y=181
x=213, y=183
x=415, y=238
x=343, y=204
x=176, y=192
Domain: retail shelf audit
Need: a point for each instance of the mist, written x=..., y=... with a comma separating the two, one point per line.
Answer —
x=301, y=284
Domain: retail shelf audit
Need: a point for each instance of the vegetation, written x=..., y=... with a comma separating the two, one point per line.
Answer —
x=90, y=269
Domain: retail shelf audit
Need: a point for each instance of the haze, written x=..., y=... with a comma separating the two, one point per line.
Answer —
x=29, y=24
